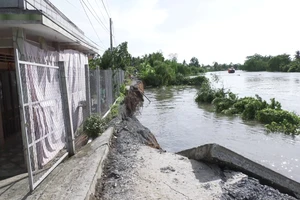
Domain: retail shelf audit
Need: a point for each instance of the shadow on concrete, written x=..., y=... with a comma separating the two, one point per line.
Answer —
x=206, y=172
x=14, y=183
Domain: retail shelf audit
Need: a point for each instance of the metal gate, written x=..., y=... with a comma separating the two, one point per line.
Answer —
x=43, y=122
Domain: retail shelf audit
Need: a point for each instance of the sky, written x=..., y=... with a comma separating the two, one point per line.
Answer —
x=211, y=30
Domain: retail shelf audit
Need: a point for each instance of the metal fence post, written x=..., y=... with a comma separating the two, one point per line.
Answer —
x=23, y=121
x=98, y=90
x=66, y=108
x=88, y=91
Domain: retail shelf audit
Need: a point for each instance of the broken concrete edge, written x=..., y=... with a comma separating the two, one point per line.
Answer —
x=223, y=157
x=92, y=189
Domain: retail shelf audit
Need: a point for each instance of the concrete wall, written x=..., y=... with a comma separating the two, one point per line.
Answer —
x=11, y=3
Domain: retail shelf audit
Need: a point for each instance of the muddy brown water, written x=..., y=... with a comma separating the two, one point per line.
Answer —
x=179, y=123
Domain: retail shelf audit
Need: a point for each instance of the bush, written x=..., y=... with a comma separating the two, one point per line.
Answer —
x=206, y=94
x=250, y=108
x=123, y=89
x=94, y=126
x=223, y=101
x=284, y=127
x=270, y=115
x=198, y=81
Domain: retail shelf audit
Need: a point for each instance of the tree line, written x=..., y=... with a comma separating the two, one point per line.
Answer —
x=154, y=69
x=279, y=63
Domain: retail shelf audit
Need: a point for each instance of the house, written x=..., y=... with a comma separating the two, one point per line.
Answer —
x=32, y=106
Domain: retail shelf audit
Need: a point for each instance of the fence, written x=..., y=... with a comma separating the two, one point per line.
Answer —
x=55, y=99
x=105, y=87
x=42, y=118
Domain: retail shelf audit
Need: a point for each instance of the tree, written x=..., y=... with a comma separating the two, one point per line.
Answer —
x=93, y=63
x=173, y=57
x=158, y=56
x=106, y=61
x=256, y=62
x=118, y=58
x=194, y=62
x=164, y=72
x=275, y=63
x=294, y=66
x=297, y=55
x=121, y=56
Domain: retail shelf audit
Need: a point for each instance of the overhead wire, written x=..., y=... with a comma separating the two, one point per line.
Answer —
x=101, y=12
x=113, y=34
x=61, y=25
x=108, y=8
x=96, y=17
x=72, y=5
x=88, y=19
x=91, y=22
x=105, y=8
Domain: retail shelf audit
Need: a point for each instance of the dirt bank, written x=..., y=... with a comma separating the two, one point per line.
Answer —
x=138, y=169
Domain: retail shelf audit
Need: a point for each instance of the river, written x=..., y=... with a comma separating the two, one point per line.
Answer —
x=179, y=123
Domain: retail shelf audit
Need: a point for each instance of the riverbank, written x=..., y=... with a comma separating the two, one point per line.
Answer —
x=137, y=168
x=136, y=171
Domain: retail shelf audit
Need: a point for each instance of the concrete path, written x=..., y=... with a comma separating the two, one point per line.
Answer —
x=73, y=179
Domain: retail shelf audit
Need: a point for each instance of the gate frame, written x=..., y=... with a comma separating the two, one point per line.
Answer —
x=68, y=120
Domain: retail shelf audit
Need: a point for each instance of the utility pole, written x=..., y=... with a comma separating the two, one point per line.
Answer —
x=111, y=41
x=112, y=60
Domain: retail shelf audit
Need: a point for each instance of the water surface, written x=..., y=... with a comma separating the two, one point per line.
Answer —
x=178, y=122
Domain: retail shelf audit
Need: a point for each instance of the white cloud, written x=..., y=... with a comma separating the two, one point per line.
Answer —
x=212, y=30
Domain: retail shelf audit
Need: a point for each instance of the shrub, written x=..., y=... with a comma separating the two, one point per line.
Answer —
x=269, y=115
x=284, y=127
x=250, y=108
x=198, y=81
x=123, y=89
x=94, y=126
x=206, y=94
x=224, y=101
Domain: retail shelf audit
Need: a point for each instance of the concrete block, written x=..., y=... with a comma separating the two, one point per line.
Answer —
x=214, y=153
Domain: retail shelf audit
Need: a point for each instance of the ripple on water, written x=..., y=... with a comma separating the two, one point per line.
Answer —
x=179, y=123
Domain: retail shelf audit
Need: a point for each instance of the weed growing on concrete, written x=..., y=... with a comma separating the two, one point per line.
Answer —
x=94, y=126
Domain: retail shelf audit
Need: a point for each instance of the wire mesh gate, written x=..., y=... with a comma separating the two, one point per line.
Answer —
x=42, y=118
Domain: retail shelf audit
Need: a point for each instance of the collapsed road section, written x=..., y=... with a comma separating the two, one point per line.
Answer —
x=137, y=168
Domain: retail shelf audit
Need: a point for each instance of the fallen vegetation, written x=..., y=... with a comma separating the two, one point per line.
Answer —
x=250, y=108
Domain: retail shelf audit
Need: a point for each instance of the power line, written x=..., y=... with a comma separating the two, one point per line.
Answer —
x=105, y=9
x=113, y=34
x=60, y=24
x=108, y=8
x=85, y=16
x=97, y=18
x=90, y=21
x=72, y=4
x=100, y=9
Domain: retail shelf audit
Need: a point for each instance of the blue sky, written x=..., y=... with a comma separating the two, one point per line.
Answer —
x=211, y=30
